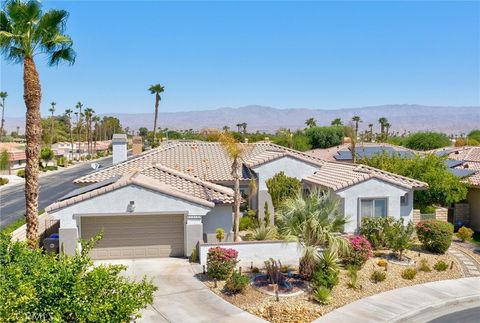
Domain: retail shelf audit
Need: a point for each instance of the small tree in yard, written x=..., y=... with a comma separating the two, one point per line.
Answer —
x=220, y=234
x=399, y=237
x=47, y=155
x=64, y=288
x=266, y=213
x=4, y=160
x=282, y=187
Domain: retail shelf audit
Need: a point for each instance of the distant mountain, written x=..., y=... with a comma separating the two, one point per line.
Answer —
x=402, y=117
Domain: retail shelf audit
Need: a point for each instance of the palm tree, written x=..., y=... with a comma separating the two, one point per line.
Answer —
x=79, y=125
x=370, y=126
x=311, y=122
x=96, y=119
x=88, y=119
x=387, y=129
x=156, y=89
x=26, y=31
x=352, y=135
x=236, y=151
x=314, y=221
x=226, y=128
x=357, y=120
x=337, y=122
x=244, y=126
x=382, y=121
x=52, y=111
x=3, y=96
x=239, y=125
x=68, y=114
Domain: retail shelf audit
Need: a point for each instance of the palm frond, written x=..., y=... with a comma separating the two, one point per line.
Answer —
x=64, y=54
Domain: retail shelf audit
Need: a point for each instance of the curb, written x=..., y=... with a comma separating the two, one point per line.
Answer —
x=408, y=317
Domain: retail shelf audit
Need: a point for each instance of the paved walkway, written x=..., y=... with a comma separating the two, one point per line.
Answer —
x=181, y=297
x=470, y=266
x=408, y=303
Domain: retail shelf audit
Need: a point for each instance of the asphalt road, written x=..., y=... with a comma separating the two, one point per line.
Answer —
x=52, y=187
x=471, y=315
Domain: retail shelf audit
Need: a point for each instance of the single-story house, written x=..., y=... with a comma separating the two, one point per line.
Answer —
x=164, y=201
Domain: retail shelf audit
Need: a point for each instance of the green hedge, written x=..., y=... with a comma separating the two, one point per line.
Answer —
x=435, y=235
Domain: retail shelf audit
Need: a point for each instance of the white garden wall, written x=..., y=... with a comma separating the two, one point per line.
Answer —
x=257, y=252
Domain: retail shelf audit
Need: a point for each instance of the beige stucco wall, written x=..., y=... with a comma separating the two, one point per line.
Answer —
x=473, y=198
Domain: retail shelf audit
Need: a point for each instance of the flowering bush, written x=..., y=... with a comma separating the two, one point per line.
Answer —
x=435, y=235
x=221, y=262
x=360, y=250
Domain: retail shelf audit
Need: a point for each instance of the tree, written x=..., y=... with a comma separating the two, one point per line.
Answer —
x=370, y=127
x=156, y=89
x=26, y=31
x=443, y=187
x=226, y=128
x=282, y=187
x=337, y=122
x=88, y=120
x=3, y=96
x=357, y=120
x=52, y=111
x=47, y=154
x=40, y=286
x=239, y=125
x=382, y=121
x=79, y=125
x=427, y=140
x=325, y=137
x=96, y=120
x=352, y=135
x=387, y=129
x=236, y=151
x=399, y=236
x=314, y=221
x=244, y=127
x=474, y=134
x=4, y=160
x=143, y=132
x=68, y=115
x=311, y=122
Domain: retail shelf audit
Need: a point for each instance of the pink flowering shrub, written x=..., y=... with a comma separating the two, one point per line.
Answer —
x=221, y=262
x=360, y=250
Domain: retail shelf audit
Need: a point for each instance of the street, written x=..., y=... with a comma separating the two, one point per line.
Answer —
x=52, y=187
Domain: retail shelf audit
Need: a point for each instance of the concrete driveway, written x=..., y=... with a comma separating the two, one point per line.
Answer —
x=180, y=297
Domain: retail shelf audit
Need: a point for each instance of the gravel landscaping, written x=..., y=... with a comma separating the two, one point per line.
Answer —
x=301, y=309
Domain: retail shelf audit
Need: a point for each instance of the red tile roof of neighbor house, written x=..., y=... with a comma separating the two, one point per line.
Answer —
x=470, y=155
x=17, y=155
x=163, y=180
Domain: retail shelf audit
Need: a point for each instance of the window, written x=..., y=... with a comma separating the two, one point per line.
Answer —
x=404, y=199
x=373, y=207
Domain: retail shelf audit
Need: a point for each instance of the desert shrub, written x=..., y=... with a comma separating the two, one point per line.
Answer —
x=374, y=230
x=264, y=232
x=249, y=237
x=377, y=253
x=193, y=256
x=435, y=235
x=322, y=295
x=325, y=137
x=66, y=288
x=353, y=275
x=440, y=265
x=360, y=250
x=219, y=234
x=285, y=268
x=255, y=270
x=399, y=236
x=382, y=263
x=282, y=187
x=236, y=283
x=326, y=270
x=424, y=266
x=245, y=223
x=427, y=140
x=378, y=276
x=21, y=173
x=464, y=233
x=62, y=161
x=409, y=273
x=3, y=181
x=221, y=262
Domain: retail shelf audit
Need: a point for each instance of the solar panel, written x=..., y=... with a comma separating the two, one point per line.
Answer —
x=89, y=188
x=461, y=172
x=453, y=163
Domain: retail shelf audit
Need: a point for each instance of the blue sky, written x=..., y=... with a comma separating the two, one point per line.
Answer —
x=283, y=54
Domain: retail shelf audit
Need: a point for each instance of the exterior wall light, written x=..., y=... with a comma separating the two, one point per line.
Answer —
x=131, y=206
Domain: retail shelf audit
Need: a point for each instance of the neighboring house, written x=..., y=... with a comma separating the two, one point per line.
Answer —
x=465, y=162
x=164, y=201
x=18, y=161
x=66, y=148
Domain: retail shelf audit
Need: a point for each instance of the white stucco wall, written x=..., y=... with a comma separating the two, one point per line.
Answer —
x=374, y=188
x=257, y=252
x=290, y=166
x=220, y=217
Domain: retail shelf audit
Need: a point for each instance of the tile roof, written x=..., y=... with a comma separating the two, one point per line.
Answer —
x=163, y=180
x=470, y=158
x=337, y=176
x=205, y=160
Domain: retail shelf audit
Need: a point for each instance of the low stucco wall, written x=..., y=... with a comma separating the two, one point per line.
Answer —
x=257, y=252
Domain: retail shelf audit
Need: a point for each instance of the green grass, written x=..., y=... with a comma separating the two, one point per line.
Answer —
x=8, y=229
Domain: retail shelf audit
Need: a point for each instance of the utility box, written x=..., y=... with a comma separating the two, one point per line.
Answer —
x=119, y=148
x=137, y=145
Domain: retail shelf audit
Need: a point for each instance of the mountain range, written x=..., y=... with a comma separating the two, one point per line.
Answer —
x=402, y=117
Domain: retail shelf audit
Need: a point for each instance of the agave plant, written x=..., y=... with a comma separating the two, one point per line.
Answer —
x=315, y=221
x=264, y=232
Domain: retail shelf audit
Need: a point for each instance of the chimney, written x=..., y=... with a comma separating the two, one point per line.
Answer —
x=137, y=145
x=119, y=147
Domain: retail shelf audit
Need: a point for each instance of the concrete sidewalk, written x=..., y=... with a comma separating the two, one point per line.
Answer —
x=405, y=304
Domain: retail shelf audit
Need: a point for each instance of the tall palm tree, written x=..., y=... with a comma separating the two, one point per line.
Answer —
x=357, y=120
x=88, y=112
x=370, y=126
x=96, y=120
x=226, y=128
x=337, y=122
x=314, y=221
x=387, y=129
x=79, y=114
x=382, y=121
x=156, y=89
x=68, y=114
x=244, y=127
x=3, y=96
x=311, y=122
x=236, y=151
x=26, y=31
x=239, y=126
x=52, y=123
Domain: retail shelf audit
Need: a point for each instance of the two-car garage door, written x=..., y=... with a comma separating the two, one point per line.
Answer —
x=135, y=236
